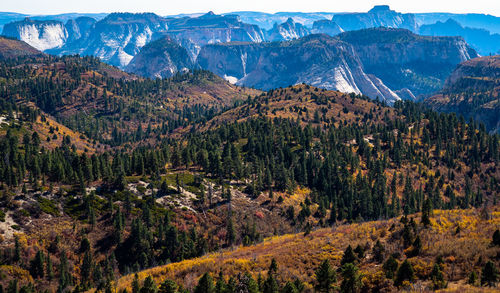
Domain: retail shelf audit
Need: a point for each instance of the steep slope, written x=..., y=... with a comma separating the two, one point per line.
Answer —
x=299, y=255
x=289, y=30
x=326, y=26
x=473, y=90
x=79, y=27
x=380, y=15
x=193, y=33
x=480, y=39
x=11, y=48
x=117, y=38
x=402, y=59
x=318, y=60
x=160, y=59
x=41, y=35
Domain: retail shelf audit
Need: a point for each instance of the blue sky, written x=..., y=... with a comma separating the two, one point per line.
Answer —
x=167, y=7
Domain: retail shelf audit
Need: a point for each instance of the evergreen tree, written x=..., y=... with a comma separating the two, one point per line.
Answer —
x=148, y=286
x=437, y=277
x=496, y=238
x=325, y=277
x=390, y=266
x=205, y=284
x=405, y=273
x=86, y=267
x=426, y=212
x=351, y=282
x=489, y=274
x=135, y=284
x=17, y=249
x=348, y=257
x=37, y=265
x=378, y=252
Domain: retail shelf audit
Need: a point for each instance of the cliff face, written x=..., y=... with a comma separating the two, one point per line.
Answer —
x=118, y=37
x=193, y=33
x=289, y=30
x=406, y=60
x=79, y=27
x=378, y=16
x=326, y=26
x=317, y=60
x=481, y=40
x=473, y=90
x=160, y=59
x=41, y=35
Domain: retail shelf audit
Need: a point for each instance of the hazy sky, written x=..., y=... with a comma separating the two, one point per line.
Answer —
x=166, y=7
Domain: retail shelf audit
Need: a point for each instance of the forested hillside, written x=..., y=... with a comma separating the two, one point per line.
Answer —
x=104, y=174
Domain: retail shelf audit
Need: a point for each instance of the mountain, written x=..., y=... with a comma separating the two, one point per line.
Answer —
x=266, y=21
x=473, y=90
x=402, y=59
x=480, y=39
x=286, y=31
x=12, y=48
x=193, y=33
x=79, y=27
x=380, y=15
x=41, y=34
x=116, y=38
x=6, y=17
x=326, y=26
x=319, y=60
x=160, y=59
x=473, y=20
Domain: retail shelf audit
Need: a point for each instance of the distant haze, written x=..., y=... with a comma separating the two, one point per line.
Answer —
x=169, y=7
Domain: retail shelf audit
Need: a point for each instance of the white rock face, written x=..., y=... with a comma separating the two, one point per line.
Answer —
x=42, y=36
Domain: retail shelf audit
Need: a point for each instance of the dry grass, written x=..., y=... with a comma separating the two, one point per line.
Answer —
x=298, y=255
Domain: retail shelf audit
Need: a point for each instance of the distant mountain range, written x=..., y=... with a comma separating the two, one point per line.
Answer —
x=261, y=50
x=196, y=30
x=480, y=39
x=381, y=62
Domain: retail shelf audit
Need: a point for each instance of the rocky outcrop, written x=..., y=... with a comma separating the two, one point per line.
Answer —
x=403, y=59
x=480, y=39
x=473, y=90
x=289, y=30
x=318, y=60
x=326, y=26
x=41, y=35
x=378, y=16
x=79, y=27
x=160, y=59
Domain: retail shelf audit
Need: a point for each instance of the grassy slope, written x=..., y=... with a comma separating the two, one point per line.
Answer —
x=298, y=255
